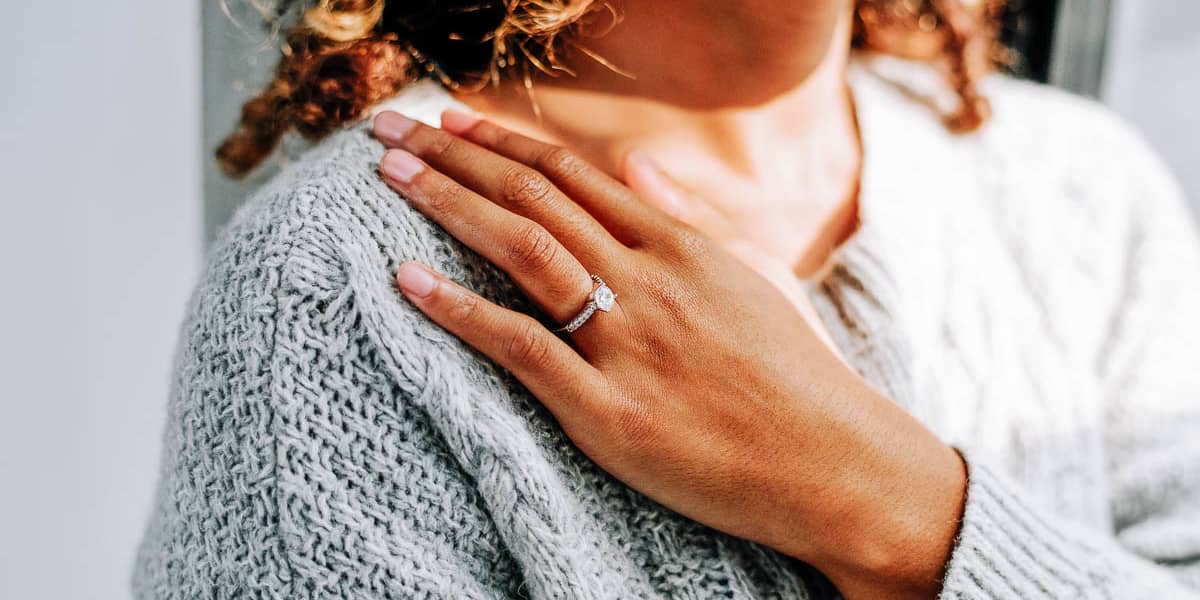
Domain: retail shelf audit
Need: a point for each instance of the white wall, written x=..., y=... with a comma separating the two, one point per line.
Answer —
x=1153, y=79
x=99, y=246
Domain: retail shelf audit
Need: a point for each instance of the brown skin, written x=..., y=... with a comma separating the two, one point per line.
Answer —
x=704, y=388
x=661, y=43
x=654, y=185
x=777, y=155
x=711, y=386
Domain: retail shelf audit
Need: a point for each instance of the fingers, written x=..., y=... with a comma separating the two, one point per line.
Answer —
x=510, y=184
x=657, y=188
x=545, y=364
x=547, y=272
x=651, y=185
x=605, y=198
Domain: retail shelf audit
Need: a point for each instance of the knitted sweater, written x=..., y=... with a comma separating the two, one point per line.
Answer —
x=1030, y=292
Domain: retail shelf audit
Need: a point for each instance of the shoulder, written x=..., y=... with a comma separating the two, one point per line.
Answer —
x=297, y=348
x=1083, y=168
x=1045, y=154
x=316, y=248
x=1055, y=189
x=322, y=240
x=295, y=236
x=331, y=194
x=1083, y=141
x=1035, y=129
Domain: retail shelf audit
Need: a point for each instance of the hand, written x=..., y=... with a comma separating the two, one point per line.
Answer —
x=649, y=182
x=703, y=388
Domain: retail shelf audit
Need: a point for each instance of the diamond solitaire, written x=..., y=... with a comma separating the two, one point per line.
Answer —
x=604, y=298
x=601, y=298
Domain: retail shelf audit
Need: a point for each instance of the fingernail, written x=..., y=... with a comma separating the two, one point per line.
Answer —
x=415, y=279
x=392, y=126
x=400, y=165
x=459, y=122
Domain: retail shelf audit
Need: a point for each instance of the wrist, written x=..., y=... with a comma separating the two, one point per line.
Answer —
x=900, y=532
x=882, y=522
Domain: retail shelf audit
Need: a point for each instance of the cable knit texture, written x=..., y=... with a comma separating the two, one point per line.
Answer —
x=1030, y=292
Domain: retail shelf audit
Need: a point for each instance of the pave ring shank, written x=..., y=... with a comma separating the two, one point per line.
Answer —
x=601, y=298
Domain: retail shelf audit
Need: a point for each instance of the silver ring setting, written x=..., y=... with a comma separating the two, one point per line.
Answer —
x=601, y=298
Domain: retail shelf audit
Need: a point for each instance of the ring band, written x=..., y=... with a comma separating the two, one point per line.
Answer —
x=601, y=298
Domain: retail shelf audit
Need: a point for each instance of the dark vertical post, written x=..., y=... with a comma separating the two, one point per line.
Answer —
x=1027, y=27
x=1077, y=61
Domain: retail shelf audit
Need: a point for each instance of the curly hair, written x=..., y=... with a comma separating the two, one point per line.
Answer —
x=343, y=56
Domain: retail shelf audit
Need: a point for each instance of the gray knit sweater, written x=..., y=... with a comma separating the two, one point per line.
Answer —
x=1030, y=292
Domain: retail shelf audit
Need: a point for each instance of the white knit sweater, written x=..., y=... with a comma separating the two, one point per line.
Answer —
x=1031, y=292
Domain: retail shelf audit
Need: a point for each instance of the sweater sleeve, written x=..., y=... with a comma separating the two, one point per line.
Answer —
x=1009, y=548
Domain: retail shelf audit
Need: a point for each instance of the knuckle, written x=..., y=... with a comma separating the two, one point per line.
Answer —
x=533, y=248
x=560, y=163
x=524, y=187
x=673, y=303
x=441, y=197
x=491, y=136
x=671, y=299
x=435, y=143
x=464, y=308
x=688, y=244
x=528, y=346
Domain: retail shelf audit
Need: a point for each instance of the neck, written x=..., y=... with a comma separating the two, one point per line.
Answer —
x=706, y=54
x=760, y=130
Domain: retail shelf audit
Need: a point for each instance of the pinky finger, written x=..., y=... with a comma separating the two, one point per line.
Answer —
x=551, y=369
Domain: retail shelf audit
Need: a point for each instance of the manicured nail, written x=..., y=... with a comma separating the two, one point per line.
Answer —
x=400, y=165
x=415, y=279
x=459, y=122
x=392, y=126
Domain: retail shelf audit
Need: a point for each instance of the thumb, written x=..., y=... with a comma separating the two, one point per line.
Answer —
x=643, y=175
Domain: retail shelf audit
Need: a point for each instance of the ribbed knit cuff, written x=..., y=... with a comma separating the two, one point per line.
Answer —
x=1007, y=549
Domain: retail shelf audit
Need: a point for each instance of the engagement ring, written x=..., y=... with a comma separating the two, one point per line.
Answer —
x=601, y=298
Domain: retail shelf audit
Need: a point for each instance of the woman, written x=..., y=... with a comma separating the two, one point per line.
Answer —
x=813, y=342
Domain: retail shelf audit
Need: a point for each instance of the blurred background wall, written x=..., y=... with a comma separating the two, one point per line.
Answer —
x=1152, y=77
x=100, y=243
x=104, y=150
